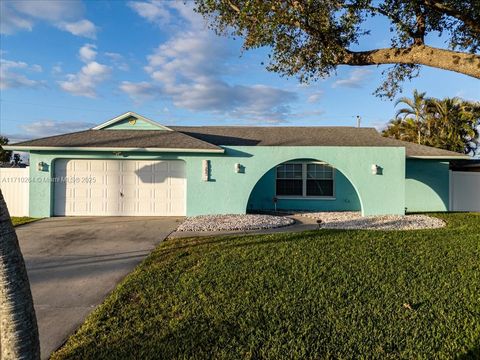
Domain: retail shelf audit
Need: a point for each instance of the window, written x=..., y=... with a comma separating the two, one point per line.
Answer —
x=305, y=180
x=319, y=180
x=290, y=180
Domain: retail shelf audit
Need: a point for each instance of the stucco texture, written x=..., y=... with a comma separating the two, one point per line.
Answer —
x=426, y=185
x=228, y=192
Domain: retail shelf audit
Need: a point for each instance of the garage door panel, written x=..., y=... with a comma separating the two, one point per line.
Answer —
x=149, y=188
x=129, y=179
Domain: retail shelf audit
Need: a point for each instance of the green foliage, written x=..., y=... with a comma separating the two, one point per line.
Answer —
x=450, y=124
x=310, y=38
x=5, y=155
x=311, y=295
x=20, y=220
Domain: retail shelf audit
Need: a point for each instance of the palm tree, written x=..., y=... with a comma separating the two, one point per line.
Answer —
x=414, y=113
x=18, y=324
x=451, y=124
x=455, y=122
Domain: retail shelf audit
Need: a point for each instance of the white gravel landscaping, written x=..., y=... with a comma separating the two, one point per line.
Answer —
x=233, y=222
x=354, y=220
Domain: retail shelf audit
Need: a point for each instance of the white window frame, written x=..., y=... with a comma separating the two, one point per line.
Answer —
x=304, y=195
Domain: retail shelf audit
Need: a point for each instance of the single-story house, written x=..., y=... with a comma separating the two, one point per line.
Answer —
x=134, y=166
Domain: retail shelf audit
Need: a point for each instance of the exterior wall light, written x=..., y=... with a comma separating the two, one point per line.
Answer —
x=205, y=170
x=237, y=167
x=41, y=166
x=376, y=170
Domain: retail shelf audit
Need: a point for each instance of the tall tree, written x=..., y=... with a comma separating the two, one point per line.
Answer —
x=413, y=115
x=5, y=155
x=310, y=38
x=455, y=123
x=18, y=324
x=450, y=124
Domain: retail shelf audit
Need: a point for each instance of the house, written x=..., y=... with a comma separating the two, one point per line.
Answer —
x=131, y=165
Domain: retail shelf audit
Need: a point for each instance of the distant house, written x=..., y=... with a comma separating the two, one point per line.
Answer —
x=131, y=165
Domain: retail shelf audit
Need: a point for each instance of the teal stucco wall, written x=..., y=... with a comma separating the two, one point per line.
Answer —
x=426, y=185
x=345, y=198
x=228, y=192
x=138, y=125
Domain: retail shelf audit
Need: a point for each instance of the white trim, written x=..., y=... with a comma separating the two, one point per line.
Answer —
x=127, y=115
x=104, y=149
x=286, y=197
x=304, y=179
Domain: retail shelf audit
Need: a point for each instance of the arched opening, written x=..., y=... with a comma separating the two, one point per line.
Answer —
x=304, y=185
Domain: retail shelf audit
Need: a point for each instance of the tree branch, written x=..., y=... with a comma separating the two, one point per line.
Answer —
x=419, y=34
x=396, y=20
x=468, y=64
x=472, y=23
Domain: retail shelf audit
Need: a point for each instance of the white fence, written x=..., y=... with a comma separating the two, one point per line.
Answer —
x=15, y=189
x=464, y=191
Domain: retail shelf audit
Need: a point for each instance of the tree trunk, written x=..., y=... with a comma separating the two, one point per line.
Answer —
x=468, y=64
x=18, y=324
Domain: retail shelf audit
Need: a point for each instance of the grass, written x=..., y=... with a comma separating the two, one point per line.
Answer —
x=22, y=220
x=318, y=294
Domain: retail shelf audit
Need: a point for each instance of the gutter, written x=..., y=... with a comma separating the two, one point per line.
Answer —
x=453, y=157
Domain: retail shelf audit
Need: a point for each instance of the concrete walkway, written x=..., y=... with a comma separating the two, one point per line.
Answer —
x=74, y=263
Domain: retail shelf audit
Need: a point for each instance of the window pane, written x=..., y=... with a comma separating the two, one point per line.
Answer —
x=319, y=187
x=289, y=171
x=319, y=171
x=289, y=187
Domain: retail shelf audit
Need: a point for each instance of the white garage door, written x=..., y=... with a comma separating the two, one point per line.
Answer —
x=119, y=188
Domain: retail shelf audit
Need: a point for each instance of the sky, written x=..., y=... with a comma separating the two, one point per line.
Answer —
x=70, y=65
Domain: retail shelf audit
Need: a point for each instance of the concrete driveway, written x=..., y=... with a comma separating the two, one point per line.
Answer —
x=74, y=262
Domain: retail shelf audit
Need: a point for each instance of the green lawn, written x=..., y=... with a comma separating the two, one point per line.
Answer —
x=319, y=294
x=22, y=220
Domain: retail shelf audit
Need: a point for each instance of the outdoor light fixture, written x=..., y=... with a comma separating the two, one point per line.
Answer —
x=375, y=169
x=205, y=170
x=237, y=167
x=41, y=166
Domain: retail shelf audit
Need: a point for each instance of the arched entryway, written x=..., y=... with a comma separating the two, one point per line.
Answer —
x=304, y=184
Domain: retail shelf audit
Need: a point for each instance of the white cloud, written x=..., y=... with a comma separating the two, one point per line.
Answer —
x=117, y=60
x=171, y=13
x=82, y=27
x=11, y=75
x=66, y=15
x=154, y=11
x=52, y=127
x=57, y=69
x=87, y=53
x=85, y=82
x=357, y=79
x=189, y=70
x=315, y=97
x=139, y=91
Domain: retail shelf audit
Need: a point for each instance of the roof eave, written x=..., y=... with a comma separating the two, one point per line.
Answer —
x=438, y=157
x=111, y=149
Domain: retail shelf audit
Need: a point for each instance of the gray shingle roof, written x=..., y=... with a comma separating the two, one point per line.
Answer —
x=140, y=139
x=305, y=136
x=212, y=137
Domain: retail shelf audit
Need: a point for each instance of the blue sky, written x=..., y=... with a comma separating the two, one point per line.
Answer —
x=68, y=65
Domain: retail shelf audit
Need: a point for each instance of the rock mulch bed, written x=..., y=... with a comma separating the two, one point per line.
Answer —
x=234, y=222
x=354, y=220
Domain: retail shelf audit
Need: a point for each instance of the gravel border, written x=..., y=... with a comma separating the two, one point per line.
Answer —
x=234, y=222
x=354, y=220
